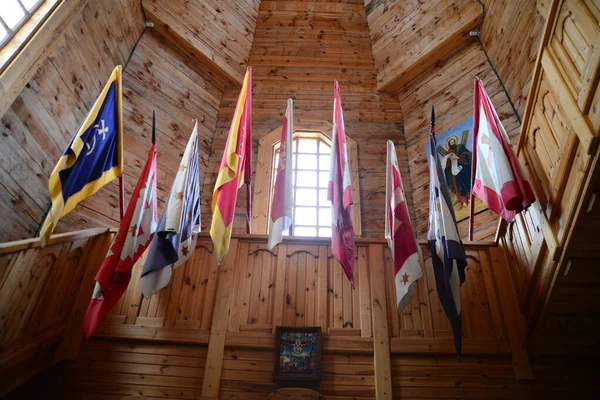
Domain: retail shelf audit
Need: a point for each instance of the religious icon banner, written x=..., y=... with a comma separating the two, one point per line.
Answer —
x=455, y=152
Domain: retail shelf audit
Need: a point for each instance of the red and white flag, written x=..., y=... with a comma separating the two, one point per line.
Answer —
x=135, y=234
x=399, y=233
x=339, y=191
x=281, y=206
x=496, y=176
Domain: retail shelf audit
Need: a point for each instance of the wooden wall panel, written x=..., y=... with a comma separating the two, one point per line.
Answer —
x=511, y=33
x=559, y=149
x=407, y=37
x=449, y=87
x=299, y=48
x=38, y=288
x=216, y=33
x=42, y=120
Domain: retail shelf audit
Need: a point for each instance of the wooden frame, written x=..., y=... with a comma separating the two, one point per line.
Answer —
x=283, y=377
x=266, y=147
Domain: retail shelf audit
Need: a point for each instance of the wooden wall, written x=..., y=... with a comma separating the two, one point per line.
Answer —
x=448, y=86
x=216, y=33
x=157, y=76
x=407, y=37
x=299, y=48
x=553, y=243
x=38, y=290
x=511, y=33
x=216, y=326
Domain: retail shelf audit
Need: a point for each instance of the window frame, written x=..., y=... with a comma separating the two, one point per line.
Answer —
x=28, y=15
x=264, y=172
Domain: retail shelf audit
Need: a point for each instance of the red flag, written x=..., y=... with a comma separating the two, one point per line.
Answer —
x=399, y=233
x=496, y=176
x=339, y=191
x=235, y=170
x=135, y=234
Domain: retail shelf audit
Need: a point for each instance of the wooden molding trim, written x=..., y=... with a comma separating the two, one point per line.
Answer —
x=26, y=63
x=13, y=247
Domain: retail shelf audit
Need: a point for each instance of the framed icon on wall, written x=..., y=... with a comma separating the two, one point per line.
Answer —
x=297, y=354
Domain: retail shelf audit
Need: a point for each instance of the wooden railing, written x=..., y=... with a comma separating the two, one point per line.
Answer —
x=38, y=291
x=558, y=150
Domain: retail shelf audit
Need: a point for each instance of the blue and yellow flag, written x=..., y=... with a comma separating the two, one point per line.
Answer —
x=93, y=158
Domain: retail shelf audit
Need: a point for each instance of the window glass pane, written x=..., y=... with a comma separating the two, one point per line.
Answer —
x=305, y=231
x=323, y=198
x=30, y=4
x=325, y=216
x=307, y=178
x=307, y=146
x=11, y=13
x=306, y=197
x=323, y=179
x=325, y=232
x=324, y=148
x=3, y=33
x=306, y=216
x=324, y=162
x=294, y=145
x=307, y=161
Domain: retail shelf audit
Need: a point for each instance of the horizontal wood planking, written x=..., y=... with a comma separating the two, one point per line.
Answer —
x=511, y=33
x=299, y=48
x=217, y=34
x=39, y=288
x=449, y=87
x=409, y=37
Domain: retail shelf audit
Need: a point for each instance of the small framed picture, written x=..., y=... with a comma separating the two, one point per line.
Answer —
x=297, y=354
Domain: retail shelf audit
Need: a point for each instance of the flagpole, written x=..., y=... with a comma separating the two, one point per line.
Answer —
x=473, y=162
x=153, y=127
x=121, y=197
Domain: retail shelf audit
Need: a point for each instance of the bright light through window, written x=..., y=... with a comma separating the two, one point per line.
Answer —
x=310, y=176
x=14, y=14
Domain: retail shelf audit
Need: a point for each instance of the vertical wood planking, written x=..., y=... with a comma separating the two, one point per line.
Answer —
x=322, y=289
x=364, y=287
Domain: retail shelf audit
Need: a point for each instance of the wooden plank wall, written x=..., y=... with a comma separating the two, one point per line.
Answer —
x=407, y=37
x=449, y=86
x=553, y=244
x=216, y=33
x=298, y=284
x=38, y=288
x=41, y=121
x=299, y=48
x=511, y=33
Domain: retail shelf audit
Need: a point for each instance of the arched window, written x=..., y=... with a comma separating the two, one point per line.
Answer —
x=310, y=162
x=310, y=176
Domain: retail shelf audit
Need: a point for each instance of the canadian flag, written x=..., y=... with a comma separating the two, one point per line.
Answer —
x=399, y=233
x=135, y=234
x=496, y=177
x=281, y=206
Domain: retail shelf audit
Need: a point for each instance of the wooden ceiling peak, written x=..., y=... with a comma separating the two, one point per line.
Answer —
x=408, y=37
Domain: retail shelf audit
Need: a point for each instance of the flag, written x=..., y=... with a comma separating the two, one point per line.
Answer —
x=235, y=170
x=135, y=233
x=399, y=233
x=447, y=252
x=496, y=176
x=93, y=158
x=281, y=206
x=339, y=191
x=175, y=237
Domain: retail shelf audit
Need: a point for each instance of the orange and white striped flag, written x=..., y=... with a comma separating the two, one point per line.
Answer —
x=235, y=170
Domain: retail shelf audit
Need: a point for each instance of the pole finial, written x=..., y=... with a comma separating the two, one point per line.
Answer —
x=432, y=120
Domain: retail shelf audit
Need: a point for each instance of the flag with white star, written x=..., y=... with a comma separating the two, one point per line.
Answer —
x=175, y=237
x=135, y=233
x=399, y=233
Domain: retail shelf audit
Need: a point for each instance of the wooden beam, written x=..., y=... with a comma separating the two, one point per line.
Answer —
x=381, y=343
x=25, y=244
x=513, y=319
x=24, y=66
x=216, y=344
